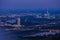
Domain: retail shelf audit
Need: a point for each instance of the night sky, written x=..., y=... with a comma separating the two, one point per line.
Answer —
x=29, y=4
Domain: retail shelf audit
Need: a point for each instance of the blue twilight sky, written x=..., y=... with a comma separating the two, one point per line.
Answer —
x=29, y=4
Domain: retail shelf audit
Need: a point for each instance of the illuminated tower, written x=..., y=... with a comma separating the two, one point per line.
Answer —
x=18, y=21
x=48, y=15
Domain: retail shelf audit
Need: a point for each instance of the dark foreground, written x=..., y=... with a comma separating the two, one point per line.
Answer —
x=17, y=35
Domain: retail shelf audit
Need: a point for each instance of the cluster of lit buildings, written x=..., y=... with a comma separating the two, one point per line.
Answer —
x=46, y=15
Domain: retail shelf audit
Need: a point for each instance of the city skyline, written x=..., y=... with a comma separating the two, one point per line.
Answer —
x=29, y=19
